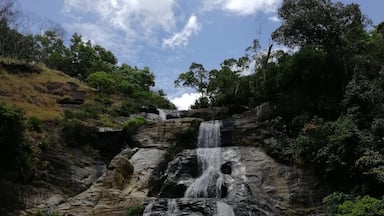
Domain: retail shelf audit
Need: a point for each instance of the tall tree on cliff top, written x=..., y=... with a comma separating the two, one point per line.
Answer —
x=196, y=78
x=320, y=23
x=335, y=29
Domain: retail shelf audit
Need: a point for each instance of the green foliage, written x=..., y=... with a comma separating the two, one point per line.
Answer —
x=196, y=78
x=15, y=154
x=135, y=211
x=102, y=81
x=35, y=123
x=321, y=23
x=330, y=147
x=340, y=204
x=40, y=213
x=76, y=134
x=25, y=165
x=78, y=114
x=201, y=102
x=133, y=124
x=128, y=107
x=371, y=165
x=12, y=129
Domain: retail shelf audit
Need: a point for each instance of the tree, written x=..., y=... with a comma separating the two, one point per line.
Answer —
x=51, y=50
x=224, y=84
x=101, y=81
x=196, y=78
x=320, y=23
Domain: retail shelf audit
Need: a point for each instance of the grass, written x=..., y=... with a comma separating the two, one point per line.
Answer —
x=29, y=91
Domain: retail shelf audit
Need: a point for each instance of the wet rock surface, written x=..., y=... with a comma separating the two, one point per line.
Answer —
x=255, y=185
x=250, y=181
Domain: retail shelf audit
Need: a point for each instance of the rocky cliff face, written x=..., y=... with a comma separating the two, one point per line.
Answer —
x=251, y=182
x=254, y=184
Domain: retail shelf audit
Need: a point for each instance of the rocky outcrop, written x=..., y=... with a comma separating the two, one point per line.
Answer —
x=251, y=181
x=261, y=127
x=161, y=134
x=119, y=170
x=124, y=184
x=255, y=183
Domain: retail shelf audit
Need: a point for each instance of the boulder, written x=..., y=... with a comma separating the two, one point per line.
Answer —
x=119, y=170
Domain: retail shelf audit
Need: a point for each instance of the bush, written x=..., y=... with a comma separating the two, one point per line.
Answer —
x=76, y=134
x=133, y=124
x=330, y=147
x=12, y=129
x=35, y=123
x=128, y=107
x=101, y=81
x=345, y=205
x=69, y=114
x=25, y=164
x=135, y=211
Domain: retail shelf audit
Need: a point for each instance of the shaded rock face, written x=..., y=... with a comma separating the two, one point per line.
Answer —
x=173, y=185
x=108, y=189
x=124, y=184
x=261, y=127
x=61, y=174
x=208, y=113
x=161, y=134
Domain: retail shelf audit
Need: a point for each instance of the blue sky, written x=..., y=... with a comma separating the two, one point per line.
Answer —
x=168, y=35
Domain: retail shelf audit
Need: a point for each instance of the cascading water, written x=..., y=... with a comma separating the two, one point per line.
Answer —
x=173, y=208
x=209, y=184
x=207, y=188
x=164, y=113
x=224, y=209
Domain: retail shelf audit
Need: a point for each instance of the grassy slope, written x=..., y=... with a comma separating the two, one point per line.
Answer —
x=36, y=89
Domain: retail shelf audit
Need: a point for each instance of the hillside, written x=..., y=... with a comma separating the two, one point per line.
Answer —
x=38, y=90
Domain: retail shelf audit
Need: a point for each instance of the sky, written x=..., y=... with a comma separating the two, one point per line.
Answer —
x=168, y=35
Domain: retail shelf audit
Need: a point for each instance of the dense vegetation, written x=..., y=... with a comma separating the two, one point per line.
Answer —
x=81, y=59
x=55, y=111
x=332, y=81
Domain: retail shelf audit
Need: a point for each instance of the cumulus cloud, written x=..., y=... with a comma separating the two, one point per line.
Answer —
x=133, y=20
x=127, y=14
x=181, y=38
x=243, y=7
x=185, y=101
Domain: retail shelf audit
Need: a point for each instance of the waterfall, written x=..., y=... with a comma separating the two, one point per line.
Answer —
x=148, y=210
x=209, y=184
x=163, y=113
x=224, y=209
x=173, y=208
x=206, y=190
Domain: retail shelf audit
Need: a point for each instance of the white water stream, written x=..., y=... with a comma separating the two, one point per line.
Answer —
x=209, y=184
x=209, y=161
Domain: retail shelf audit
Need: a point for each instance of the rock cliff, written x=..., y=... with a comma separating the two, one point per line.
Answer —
x=142, y=175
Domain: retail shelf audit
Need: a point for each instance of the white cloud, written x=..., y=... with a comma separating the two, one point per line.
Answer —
x=127, y=14
x=181, y=38
x=243, y=7
x=185, y=101
x=274, y=19
x=133, y=20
